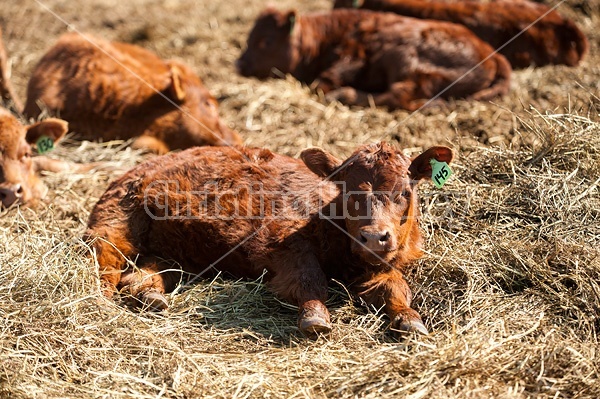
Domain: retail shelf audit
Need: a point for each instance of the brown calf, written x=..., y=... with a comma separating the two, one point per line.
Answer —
x=110, y=90
x=244, y=211
x=360, y=56
x=551, y=39
x=19, y=181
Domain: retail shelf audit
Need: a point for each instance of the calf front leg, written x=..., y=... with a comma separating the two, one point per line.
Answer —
x=408, y=95
x=112, y=248
x=304, y=283
x=390, y=291
x=336, y=81
x=147, y=284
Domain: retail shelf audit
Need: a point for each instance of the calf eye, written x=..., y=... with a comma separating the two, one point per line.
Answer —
x=401, y=195
x=265, y=43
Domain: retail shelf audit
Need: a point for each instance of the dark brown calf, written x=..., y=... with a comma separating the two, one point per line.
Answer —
x=359, y=56
x=550, y=40
x=244, y=211
x=110, y=90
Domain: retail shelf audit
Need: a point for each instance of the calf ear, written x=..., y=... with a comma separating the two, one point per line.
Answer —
x=53, y=128
x=320, y=162
x=420, y=166
x=176, y=91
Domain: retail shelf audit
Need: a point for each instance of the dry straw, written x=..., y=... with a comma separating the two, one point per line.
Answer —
x=509, y=285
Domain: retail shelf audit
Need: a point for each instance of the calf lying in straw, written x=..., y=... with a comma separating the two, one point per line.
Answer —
x=248, y=211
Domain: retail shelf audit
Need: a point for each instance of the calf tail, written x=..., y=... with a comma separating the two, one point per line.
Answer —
x=501, y=83
x=7, y=94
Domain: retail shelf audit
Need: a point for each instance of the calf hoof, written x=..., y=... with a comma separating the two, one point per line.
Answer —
x=108, y=290
x=154, y=300
x=314, y=325
x=344, y=95
x=405, y=327
x=314, y=319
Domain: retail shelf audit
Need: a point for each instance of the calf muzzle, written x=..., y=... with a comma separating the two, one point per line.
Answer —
x=10, y=194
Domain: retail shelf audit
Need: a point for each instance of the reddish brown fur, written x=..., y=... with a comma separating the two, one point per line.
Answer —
x=401, y=62
x=306, y=231
x=107, y=90
x=551, y=40
x=19, y=181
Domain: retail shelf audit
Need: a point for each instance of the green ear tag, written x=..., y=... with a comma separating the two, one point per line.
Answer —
x=44, y=144
x=440, y=172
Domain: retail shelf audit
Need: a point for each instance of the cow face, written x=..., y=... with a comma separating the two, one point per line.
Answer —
x=269, y=45
x=19, y=182
x=380, y=202
x=201, y=116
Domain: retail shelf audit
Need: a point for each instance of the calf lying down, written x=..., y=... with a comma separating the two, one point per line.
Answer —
x=525, y=32
x=361, y=57
x=20, y=167
x=246, y=212
x=111, y=90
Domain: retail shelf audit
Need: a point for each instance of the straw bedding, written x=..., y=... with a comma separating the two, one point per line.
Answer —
x=509, y=285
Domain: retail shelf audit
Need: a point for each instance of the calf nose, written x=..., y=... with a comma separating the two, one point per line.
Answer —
x=10, y=195
x=239, y=65
x=374, y=238
x=242, y=66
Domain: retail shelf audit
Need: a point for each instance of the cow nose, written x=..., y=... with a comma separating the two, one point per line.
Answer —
x=10, y=195
x=243, y=67
x=239, y=64
x=374, y=238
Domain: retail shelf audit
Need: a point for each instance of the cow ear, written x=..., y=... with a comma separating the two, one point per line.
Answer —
x=52, y=128
x=420, y=166
x=290, y=21
x=176, y=91
x=320, y=162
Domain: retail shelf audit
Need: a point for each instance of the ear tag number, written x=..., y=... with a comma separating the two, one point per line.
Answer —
x=440, y=172
x=44, y=144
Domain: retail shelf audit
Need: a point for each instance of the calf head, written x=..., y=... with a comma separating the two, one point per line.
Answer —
x=270, y=45
x=19, y=182
x=201, y=111
x=379, y=197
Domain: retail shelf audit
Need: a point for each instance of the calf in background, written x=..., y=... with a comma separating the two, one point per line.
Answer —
x=362, y=57
x=551, y=39
x=111, y=90
x=19, y=169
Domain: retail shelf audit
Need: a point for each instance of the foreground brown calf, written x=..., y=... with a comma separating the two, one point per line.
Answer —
x=551, y=40
x=19, y=181
x=110, y=90
x=355, y=54
x=244, y=211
